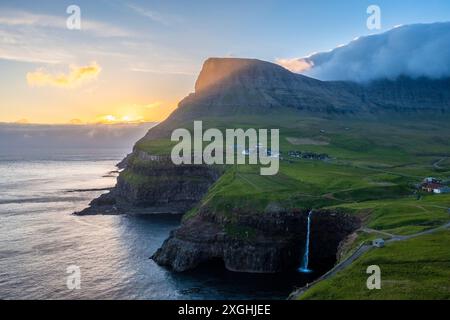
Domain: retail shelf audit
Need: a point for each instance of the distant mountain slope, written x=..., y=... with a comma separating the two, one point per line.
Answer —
x=239, y=87
x=420, y=96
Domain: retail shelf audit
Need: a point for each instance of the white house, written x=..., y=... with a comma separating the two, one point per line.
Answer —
x=442, y=190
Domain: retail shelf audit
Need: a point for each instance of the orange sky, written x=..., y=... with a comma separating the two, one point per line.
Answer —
x=101, y=73
x=88, y=93
x=134, y=60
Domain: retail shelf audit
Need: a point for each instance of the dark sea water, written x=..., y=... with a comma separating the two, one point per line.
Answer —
x=40, y=238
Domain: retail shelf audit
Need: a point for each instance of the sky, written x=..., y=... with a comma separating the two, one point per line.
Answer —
x=133, y=61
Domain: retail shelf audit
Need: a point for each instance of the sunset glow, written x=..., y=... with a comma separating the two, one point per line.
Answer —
x=134, y=61
x=112, y=119
x=109, y=118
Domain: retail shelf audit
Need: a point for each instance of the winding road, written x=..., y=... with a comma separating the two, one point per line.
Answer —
x=363, y=248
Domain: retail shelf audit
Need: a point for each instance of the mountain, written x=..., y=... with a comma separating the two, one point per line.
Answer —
x=241, y=87
x=255, y=223
x=248, y=85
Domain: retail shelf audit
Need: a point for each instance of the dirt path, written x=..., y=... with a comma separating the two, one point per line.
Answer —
x=436, y=163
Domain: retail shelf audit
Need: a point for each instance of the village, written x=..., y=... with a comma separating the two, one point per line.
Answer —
x=433, y=185
x=308, y=155
x=291, y=153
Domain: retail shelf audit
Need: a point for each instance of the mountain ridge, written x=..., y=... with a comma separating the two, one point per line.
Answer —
x=241, y=87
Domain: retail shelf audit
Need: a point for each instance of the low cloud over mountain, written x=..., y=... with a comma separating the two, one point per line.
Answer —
x=411, y=50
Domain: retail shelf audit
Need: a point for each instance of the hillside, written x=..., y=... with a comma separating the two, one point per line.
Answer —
x=377, y=141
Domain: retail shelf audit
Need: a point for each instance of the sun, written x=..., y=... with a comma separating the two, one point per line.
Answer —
x=110, y=118
x=114, y=119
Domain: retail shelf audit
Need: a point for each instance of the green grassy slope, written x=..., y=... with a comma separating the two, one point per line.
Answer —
x=372, y=171
x=406, y=215
x=418, y=268
x=369, y=161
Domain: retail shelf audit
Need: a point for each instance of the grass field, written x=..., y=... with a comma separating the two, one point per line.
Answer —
x=406, y=215
x=372, y=172
x=418, y=268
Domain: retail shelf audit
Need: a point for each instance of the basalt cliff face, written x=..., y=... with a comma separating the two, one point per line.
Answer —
x=152, y=184
x=256, y=242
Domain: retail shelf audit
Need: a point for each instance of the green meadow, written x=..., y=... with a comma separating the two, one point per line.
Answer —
x=417, y=268
x=372, y=171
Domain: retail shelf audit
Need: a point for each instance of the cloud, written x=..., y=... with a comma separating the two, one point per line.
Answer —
x=18, y=138
x=22, y=121
x=153, y=15
x=76, y=121
x=411, y=50
x=76, y=77
x=15, y=18
x=152, y=105
x=23, y=18
x=31, y=46
x=42, y=38
x=295, y=65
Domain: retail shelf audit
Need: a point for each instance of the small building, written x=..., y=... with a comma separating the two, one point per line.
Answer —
x=431, y=186
x=442, y=190
x=379, y=243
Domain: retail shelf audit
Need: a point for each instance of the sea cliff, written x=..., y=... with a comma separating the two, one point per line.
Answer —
x=151, y=184
x=259, y=242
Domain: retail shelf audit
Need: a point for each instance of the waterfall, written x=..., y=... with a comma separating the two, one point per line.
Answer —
x=305, y=260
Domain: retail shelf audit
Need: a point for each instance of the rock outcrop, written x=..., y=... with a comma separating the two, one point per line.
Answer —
x=153, y=184
x=256, y=242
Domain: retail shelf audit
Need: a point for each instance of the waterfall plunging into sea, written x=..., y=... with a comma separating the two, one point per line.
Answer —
x=305, y=261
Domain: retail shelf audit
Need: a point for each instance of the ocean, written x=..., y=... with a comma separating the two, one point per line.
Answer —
x=40, y=238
